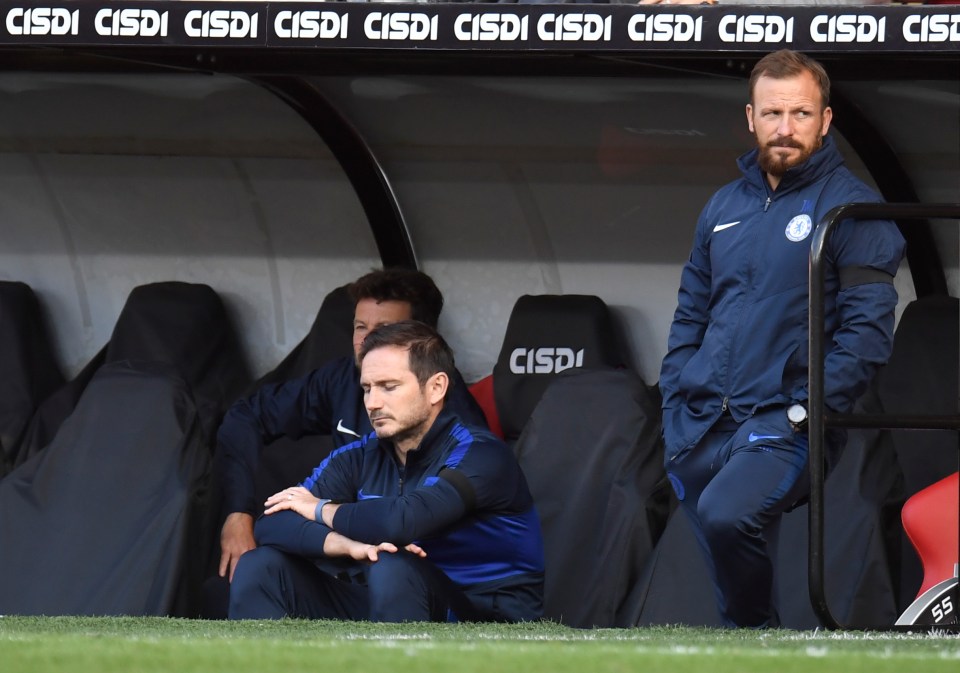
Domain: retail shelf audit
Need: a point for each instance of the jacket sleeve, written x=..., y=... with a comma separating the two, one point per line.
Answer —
x=337, y=479
x=486, y=479
x=866, y=256
x=339, y=475
x=289, y=532
x=690, y=319
x=402, y=519
x=293, y=408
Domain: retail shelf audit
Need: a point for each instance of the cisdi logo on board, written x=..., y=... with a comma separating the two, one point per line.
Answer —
x=43, y=21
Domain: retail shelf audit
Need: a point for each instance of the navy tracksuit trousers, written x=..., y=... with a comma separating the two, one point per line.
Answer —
x=735, y=485
x=400, y=587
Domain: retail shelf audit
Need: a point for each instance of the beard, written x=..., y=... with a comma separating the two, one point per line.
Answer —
x=409, y=426
x=776, y=163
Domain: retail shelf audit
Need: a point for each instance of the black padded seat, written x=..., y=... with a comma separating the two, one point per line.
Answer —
x=586, y=431
x=28, y=369
x=547, y=335
x=878, y=471
x=330, y=336
x=113, y=517
x=56, y=409
x=862, y=499
x=922, y=379
x=593, y=457
x=287, y=461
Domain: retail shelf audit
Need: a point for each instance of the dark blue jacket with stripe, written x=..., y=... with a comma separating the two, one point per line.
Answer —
x=738, y=342
x=461, y=496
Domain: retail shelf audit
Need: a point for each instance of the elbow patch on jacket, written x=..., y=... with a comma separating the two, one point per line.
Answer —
x=861, y=275
x=460, y=482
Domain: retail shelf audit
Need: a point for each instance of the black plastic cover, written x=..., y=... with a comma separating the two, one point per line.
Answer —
x=28, y=368
x=113, y=517
x=593, y=457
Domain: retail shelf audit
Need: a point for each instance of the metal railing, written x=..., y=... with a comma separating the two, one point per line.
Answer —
x=819, y=419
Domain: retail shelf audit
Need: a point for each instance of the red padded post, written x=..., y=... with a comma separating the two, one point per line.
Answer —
x=482, y=392
x=931, y=518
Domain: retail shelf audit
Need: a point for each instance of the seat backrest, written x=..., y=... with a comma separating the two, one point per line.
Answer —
x=28, y=369
x=547, y=335
x=592, y=454
x=185, y=326
x=931, y=519
x=132, y=457
x=921, y=378
x=330, y=336
x=482, y=392
x=54, y=410
x=288, y=461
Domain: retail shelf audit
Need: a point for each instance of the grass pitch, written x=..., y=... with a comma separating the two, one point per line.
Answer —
x=104, y=645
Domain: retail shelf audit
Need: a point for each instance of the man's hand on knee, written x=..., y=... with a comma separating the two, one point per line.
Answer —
x=340, y=545
x=416, y=550
x=236, y=538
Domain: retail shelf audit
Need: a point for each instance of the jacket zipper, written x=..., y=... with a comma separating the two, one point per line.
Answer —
x=726, y=398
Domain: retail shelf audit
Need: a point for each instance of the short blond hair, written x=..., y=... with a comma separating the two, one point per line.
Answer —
x=788, y=63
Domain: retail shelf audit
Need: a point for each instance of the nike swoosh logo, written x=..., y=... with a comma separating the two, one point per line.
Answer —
x=721, y=227
x=754, y=437
x=366, y=496
x=344, y=429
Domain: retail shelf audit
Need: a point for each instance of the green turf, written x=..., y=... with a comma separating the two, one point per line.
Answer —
x=95, y=645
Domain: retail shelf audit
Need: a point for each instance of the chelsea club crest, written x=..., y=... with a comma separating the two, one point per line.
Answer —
x=799, y=228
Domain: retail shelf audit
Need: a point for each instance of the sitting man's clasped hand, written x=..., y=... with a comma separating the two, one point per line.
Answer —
x=297, y=498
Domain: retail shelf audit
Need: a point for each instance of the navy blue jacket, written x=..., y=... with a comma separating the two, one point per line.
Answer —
x=461, y=496
x=739, y=336
x=328, y=400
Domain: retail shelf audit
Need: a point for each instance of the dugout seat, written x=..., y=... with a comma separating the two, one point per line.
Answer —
x=586, y=431
x=122, y=491
x=28, y=369
x=330, y=336
x=593, y=457
x=914, y=383
x=931, y=519
x=862, y=498
x=545, y=336
x=55, y=409
x=877, y=472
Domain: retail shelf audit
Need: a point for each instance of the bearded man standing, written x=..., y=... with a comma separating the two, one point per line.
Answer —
x=734, y=380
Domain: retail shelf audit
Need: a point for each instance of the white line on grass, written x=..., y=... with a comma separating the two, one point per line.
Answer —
x=411, y=647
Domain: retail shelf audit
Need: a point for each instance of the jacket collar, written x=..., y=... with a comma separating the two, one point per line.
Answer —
x=430, y=443
x=822, y=162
